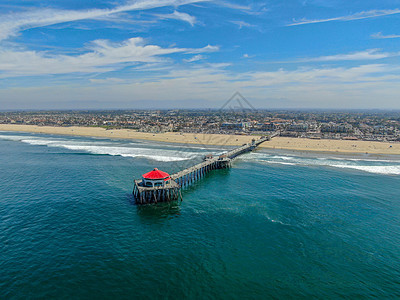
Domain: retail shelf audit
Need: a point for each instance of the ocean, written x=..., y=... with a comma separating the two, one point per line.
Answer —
x=278, y=224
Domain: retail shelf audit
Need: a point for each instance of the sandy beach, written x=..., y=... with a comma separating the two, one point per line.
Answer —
x=342, y=146
x=299, y=144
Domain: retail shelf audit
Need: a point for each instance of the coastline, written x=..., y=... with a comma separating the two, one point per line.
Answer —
x=283, y=143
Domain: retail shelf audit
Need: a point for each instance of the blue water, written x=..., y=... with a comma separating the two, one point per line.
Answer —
x=277, y=225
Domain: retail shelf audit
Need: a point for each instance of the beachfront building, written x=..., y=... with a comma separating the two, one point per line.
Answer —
x=298, y=127
x=242, y=126
x=156, y=178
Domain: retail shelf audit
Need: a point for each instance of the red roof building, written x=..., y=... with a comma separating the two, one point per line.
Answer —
x=155, y=178
x=155, y=174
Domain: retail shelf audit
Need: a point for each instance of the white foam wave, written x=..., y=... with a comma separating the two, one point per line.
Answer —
x=376, y=166
x=358, y=159
x=12, y=137
x=107, y=148
x=282, y=157
x=59, y=142
x=385, y=170
x=153, y=154
x=283, y=163
x=373, y=160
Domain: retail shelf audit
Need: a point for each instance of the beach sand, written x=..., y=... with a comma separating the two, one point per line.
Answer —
x=299, y=144
x=342, y=146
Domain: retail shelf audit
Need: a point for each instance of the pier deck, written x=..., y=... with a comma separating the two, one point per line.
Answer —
x=182, y=179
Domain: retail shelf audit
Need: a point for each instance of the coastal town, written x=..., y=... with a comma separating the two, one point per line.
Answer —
x=351, y=125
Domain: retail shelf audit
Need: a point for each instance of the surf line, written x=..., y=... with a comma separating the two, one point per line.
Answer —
x=158, y=186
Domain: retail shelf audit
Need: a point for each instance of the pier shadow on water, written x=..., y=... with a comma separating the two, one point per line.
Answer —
x=213, y=176
x=154, y=213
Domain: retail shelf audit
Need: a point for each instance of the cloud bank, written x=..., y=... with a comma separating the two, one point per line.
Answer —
x=12, y=24
x=102, y=56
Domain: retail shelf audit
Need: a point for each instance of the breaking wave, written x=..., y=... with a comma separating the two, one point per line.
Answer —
x=376, y=166
x=109, y=148
x=386, y=170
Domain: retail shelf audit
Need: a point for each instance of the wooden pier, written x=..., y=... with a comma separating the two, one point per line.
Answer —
x=172, y=190
x=146, y=195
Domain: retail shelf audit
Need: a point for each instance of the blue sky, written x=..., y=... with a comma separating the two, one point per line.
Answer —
x=196, y=54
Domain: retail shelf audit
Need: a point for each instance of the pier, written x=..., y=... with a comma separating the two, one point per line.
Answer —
x=168, y=188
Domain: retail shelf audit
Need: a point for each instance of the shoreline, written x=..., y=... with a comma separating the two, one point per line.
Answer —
x=281, y=143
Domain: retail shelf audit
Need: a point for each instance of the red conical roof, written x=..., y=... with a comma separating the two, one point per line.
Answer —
x=155, y=174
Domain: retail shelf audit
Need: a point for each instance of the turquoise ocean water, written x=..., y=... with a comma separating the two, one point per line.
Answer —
x=277, y=225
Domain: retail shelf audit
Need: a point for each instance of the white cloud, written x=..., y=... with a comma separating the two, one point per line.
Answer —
x=255, y=8
x=379, y=35
x=107, y=80
x=179, y=16
x=205, y=49
x=11, y=24
x=194, y=58
x=102, y=56
x=370, y=54
x=356, y=16
x=244, y=8
x=242, y=24
x=324, y=76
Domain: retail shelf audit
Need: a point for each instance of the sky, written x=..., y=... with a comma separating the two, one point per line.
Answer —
x=135, y=54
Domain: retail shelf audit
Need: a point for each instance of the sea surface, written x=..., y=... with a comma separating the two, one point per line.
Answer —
x=279, y=224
